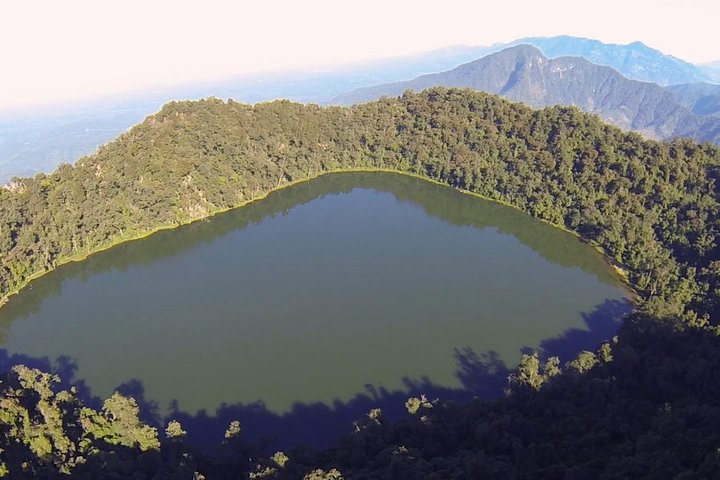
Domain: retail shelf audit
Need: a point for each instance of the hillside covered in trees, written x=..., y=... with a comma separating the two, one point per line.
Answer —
x=645, y=405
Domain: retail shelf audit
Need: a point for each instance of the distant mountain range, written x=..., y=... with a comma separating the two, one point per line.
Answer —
x=522, y=73
x=636, y=60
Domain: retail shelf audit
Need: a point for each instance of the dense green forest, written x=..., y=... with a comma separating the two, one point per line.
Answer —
x=644, y=405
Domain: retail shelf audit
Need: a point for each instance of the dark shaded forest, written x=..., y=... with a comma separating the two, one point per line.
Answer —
x=643, y=405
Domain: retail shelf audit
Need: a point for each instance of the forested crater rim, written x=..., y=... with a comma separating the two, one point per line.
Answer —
x=614, y=189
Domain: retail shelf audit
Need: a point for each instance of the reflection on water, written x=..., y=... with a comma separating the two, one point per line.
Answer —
x=313, y=293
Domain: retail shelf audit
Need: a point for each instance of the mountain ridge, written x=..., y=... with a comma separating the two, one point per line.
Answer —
x=522, y=73
x=635, y=60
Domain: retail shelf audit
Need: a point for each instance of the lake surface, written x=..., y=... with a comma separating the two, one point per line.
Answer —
x=317, y=293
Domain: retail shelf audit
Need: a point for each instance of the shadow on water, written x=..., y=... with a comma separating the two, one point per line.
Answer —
x=481, y=374
x=602, y=324
x=64, y=367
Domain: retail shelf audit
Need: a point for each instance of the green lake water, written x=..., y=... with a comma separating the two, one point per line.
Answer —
x=317, y=293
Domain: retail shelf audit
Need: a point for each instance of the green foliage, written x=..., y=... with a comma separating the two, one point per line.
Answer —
x=528, y=373
x=118, y=424
x=584, y=362
x=375, y=416
x=320, y=474
x=605, y=352
x=33, y=415
x=174, y=430
x=280, y=459
x=551, y=368
x=413, y=405
x=233, y=430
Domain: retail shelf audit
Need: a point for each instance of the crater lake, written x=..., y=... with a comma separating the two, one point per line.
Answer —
x=351, y=284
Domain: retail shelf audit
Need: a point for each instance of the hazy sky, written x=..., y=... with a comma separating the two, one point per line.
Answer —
x=54, y=51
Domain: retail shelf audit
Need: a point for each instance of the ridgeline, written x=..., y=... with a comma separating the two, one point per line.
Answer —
x=645, y=405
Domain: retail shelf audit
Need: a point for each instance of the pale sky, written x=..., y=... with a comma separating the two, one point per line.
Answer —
x=56, y=51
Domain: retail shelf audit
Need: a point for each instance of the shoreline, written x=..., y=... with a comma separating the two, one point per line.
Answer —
x=618, y=269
